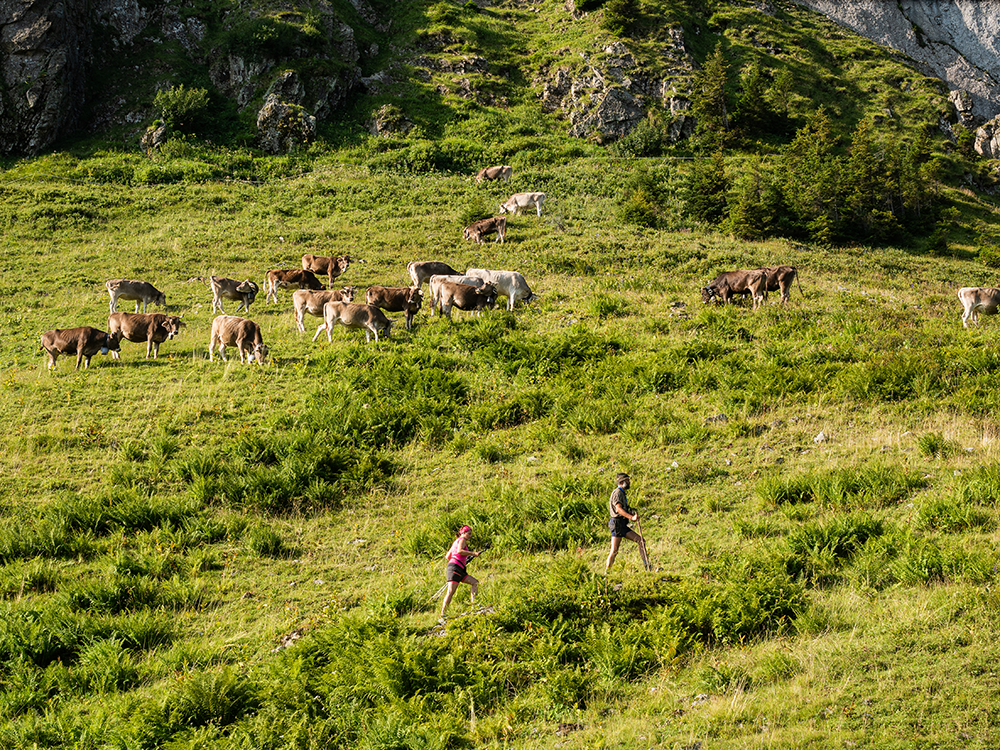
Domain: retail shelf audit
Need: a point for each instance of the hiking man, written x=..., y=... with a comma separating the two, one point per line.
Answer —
x=621, y=514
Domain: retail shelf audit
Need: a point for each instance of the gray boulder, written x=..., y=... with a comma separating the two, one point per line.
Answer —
x=987, y=143
x=283, y=127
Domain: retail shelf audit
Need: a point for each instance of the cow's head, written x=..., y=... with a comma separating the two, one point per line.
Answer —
x=161, y=299
x=414, y=298
x=343, y=261
x=488, y=293
x=347, y=293
x=707, y=295
x=247, y=287
x=111, y=343
x=503, y=208
x=173, y=325
x=260, y=352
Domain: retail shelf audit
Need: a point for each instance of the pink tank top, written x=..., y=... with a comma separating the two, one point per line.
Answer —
x=458, y=556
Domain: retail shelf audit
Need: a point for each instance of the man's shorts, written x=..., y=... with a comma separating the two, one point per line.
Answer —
x=619, y=526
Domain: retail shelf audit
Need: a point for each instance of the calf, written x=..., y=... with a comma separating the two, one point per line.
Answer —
x=308, y=301
x=436, y=280
x=84, y=342
x=519, y=201
x=465, y=297
x=331, y=266
x=365, y=317
x=140, y=291
x=509, y=284
x=479, y=229
x=422, y=270
x=153, y=328
x=230, y=330
x=495, y=173
x=404, y=299
x=291, y=279
x=978, y=299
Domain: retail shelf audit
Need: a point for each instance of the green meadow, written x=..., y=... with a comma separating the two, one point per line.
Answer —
x=213, y=555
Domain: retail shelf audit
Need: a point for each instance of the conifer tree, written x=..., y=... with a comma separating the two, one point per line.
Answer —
x=705, y=193
x=709, y=99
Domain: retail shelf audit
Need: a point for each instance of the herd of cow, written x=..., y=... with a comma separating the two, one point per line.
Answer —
x=473, y=291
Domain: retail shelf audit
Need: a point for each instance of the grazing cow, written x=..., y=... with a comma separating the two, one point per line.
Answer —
x=495, y=173
x=292, y=279
x=140, y=291
x=230, y=330
x=331, y=266
x=153, y=328
x=435, y=285
x=404, y=299
x=479, y=229
x=978, y=299
x=365, y=317
x=519, y=201
x=308, y=301
x=84, y=342
x=421, y=270
x=509, y=284
x=727, y=285
x=779, y=278
x=465, y=297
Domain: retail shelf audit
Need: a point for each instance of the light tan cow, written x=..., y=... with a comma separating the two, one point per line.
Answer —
x=495, y=173
x=312, y=302
x=520, y=201
x=364, y=317
x=978, y=299
x=230, y=330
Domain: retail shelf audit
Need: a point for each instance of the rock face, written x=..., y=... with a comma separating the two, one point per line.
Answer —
x=611, y=95
x=957, y=41
x=43, y=48
x=987, y=141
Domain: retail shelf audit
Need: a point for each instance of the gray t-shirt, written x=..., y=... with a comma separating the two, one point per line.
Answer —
x=618, y=497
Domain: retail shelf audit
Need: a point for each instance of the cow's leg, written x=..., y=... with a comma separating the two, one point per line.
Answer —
x=79, y=357
x=53, y=356
x=322, y=327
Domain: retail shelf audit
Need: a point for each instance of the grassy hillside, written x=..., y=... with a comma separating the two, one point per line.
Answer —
x=818, y=482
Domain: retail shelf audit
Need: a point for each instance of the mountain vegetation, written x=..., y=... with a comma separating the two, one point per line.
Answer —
x=200, y=554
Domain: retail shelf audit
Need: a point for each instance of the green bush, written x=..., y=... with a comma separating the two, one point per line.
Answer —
x=182, y=108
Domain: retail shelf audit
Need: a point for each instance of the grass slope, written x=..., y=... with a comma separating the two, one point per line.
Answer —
x=169, y=523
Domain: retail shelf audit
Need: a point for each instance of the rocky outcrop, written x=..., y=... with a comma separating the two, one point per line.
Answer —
x=956, y=41
x=987, y=142
x=610, y=96
x=43, y=49
x=282, y=127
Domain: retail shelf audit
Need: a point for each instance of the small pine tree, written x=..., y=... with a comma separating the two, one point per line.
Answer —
x=706, y=190
x=755, y=204
x=182, y=109
x=753, y=113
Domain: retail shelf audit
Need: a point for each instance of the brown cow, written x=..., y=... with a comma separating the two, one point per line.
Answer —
x=436, y=280
x=495, y=173
x=404, y=299
x=244, y=292
x=729, y=284
x=422, y=270
x=84, y=342
x=331, y=266
x=140, y=291
x=230, y=330
x=364, y=317
x=464, y=297
x=479, y=229
x=308, y=301
x=153, y=328
x=291, y=279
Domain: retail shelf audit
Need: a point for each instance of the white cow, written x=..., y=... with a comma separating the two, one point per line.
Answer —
x=509, y=284
x=437, y=279
x=978, y=299
x=519, y=201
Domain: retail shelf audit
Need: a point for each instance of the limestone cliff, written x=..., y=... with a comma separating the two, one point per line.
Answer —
x=957, y=41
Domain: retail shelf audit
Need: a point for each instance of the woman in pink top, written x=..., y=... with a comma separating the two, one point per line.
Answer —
x=458, y=556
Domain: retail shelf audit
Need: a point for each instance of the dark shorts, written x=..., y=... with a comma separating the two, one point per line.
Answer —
x=455, y=573
x=619, y=526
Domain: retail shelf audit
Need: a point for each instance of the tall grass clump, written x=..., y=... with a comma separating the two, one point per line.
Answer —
x=867, y=486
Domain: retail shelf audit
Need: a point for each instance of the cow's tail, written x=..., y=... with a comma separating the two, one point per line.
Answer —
x=198, y=278
x=798, y=282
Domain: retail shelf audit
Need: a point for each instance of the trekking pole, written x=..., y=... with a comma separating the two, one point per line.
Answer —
x=642, y=543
